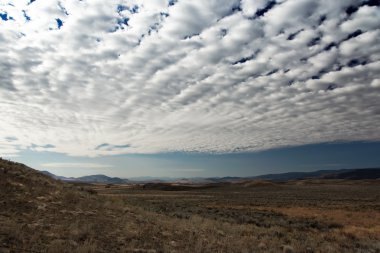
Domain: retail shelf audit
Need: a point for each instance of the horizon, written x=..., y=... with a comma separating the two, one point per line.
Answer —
x=326, y=156
x=189, y=88
x=144, y=178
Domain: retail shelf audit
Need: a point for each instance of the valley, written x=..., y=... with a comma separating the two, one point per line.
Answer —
x=40, y=214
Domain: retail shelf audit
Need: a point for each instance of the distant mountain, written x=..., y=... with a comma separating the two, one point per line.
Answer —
x=371, y=173
x=152, y=179
x=226, y=179
x=47, y=173
x=103, y=179
x=355, y=174
x=296, y=175
x=352, y=174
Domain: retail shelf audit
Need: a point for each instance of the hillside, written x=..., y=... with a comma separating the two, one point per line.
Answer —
x=42, y=214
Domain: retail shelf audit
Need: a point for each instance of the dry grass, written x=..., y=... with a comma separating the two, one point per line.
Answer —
x=365, y=219
x=38, y=214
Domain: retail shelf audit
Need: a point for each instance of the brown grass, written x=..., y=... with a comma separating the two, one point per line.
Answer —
x=38, y=214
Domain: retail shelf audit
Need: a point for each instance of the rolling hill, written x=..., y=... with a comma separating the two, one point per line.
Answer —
x=352, y=174
x=102, y=179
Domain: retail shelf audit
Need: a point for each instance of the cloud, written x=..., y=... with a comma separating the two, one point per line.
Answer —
x=7, y=150
x=75, y=165
x=91, y=78
x=109, y=147
x=10, y=138
x=187, y=170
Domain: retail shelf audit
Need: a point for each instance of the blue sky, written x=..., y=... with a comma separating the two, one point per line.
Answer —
x=303, y=158
x=139, y=85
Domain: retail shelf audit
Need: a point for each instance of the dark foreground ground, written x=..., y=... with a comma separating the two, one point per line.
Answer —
x=38, y=214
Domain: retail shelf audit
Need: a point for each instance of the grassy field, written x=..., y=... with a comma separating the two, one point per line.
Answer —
x=39, y=214
x=300, y=216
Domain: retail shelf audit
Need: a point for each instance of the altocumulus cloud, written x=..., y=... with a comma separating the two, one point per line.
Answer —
x=97, y=77
x=76, y=165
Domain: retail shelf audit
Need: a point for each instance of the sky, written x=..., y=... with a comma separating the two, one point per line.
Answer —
x=184, y=87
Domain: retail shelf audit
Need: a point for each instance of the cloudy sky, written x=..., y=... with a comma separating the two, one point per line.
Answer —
x=138, y=79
